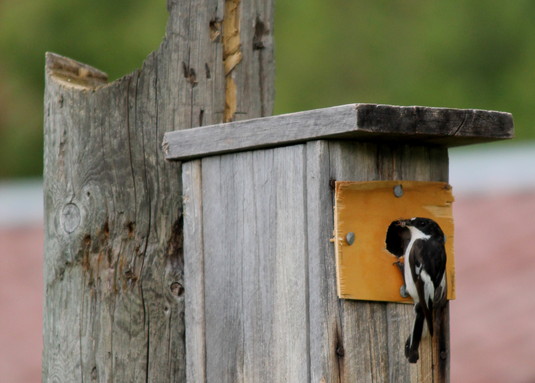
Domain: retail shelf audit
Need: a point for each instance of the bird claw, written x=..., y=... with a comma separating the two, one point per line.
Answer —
x=400, y=265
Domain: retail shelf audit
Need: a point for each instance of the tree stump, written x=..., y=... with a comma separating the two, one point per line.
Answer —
x=114, y=306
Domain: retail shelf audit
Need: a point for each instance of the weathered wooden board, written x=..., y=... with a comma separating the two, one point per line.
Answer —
x=194, y=272
x=326, y=333
x=417, y=124
x=114, y=305
x=267, y=301
x=255, y=267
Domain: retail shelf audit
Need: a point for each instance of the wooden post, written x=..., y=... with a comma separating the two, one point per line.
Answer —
x=258, y=215
x=114, y=306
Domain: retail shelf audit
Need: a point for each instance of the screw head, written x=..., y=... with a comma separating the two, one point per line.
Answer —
x=398, y=191
x=350, y=238
x=403, y=291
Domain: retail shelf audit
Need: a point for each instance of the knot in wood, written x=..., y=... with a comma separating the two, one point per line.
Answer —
x=177, y=289
x=340, y=351
x=70, y=217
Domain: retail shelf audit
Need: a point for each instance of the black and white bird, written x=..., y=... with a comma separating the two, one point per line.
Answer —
x=424, y=273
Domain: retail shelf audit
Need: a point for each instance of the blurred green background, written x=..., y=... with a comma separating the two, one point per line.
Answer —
x=453, y=54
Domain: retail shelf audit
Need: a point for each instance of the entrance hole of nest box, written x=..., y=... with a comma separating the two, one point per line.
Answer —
x=397, y=238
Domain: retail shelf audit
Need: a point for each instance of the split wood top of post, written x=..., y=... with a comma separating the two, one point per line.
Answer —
x=371, y=122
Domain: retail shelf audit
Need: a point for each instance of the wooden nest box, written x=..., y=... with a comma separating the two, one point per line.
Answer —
x=266, y=262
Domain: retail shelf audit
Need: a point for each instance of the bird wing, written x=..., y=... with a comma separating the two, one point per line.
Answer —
x=427, y=262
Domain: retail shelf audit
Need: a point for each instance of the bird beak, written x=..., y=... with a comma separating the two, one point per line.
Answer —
x=402, y=223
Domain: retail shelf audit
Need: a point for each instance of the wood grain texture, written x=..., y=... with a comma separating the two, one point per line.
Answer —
x=255, y=278
x=415, y=124
x=114, y=305
x=194, y=272
x=326, y=337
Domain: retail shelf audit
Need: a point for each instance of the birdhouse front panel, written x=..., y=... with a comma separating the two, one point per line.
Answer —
x=367, y=253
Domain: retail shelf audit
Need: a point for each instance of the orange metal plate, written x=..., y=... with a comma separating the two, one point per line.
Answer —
x=365, y=269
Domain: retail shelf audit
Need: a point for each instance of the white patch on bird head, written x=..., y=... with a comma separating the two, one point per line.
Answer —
x=417, y=233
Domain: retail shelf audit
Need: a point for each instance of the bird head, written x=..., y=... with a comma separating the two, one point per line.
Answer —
x=425, y=225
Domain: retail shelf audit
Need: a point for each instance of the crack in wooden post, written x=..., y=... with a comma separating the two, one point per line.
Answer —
x=232, y=55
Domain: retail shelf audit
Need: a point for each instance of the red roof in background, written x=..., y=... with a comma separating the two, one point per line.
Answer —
x=492, y=319
x=21, y=303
